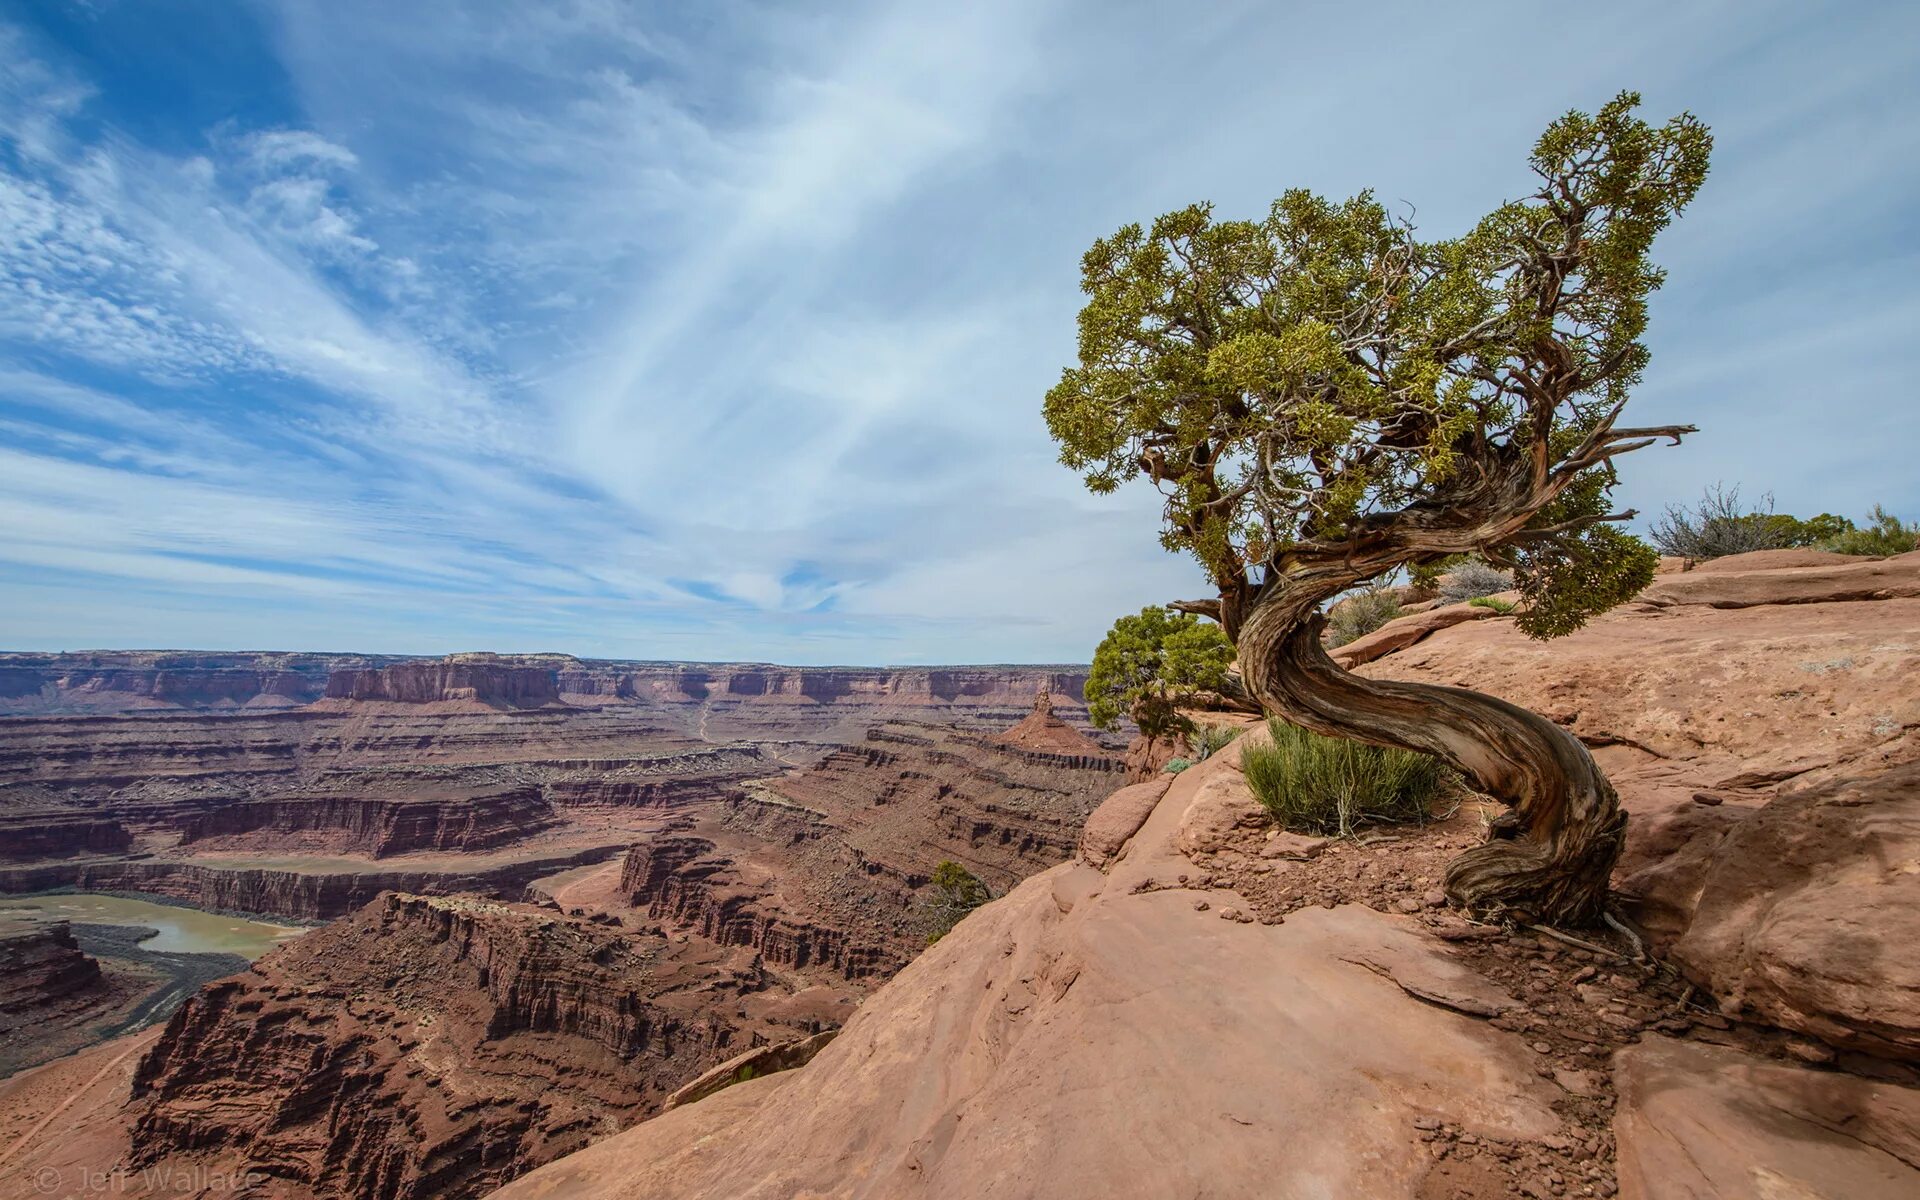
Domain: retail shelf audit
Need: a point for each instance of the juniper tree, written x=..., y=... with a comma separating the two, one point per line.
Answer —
x=1323, y=397
x=1150, y=664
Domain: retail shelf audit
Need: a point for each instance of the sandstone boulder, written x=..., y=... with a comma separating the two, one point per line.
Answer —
x=1809, y=914
x=1701, y=1122
x=1402, y=632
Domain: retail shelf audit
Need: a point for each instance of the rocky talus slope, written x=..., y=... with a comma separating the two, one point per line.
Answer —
x=1198, y=1005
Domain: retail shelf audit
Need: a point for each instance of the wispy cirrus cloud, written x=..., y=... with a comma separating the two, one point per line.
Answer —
x=721, y=331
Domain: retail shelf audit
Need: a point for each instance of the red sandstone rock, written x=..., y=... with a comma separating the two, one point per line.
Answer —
x=40, y=964
x=1087, y=1036
x=377, y=826
x=1808, y=914
x=25, y=836
x=1402, y=632
x=1701, y=1122
x=1042, y=731
x=481, y=679
x=1118, y=818
x=1827, y=582
x=436, y=1047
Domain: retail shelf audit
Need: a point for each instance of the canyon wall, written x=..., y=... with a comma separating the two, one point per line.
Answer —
x=374, y=826
x=485, y=680
x=28, y=835
x=138, y=681
x=826, y=865
x=436, y=1047
x=40, y=964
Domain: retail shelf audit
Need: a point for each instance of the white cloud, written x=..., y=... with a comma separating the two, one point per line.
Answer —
x=580, y=314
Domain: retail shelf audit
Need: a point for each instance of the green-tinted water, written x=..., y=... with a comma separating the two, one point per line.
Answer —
x=182, y=930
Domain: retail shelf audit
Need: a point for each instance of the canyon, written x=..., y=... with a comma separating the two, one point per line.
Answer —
x=732, y=992
x=532, y=871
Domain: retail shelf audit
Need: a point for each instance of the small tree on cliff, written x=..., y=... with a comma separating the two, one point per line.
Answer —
x=1322, y=397
x=1149, y=664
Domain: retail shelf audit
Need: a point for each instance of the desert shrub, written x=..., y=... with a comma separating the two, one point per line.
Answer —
x=1324, y=785
x=1176, y=765
x=1493, y=602
x=1424, y=578
x=956, y=892
x=1362, y=613
x=1471, y=578
x=1718, y=524
x=1885, y=534
x=1209, y=740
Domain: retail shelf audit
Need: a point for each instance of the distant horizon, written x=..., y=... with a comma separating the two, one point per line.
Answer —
x=709, y=331
x=642, y=662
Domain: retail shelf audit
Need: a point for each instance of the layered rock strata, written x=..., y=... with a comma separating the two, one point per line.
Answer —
x=375, y=826
x=436, y=1047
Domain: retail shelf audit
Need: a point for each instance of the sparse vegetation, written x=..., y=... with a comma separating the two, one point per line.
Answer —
x=1361, y=613
x=1718, y=524
x=1315, y=784
x=1209, y=740
x=1884, y=535
x=1176, y=765
x=956, y=892
x=1495, y=603
x=1149, y=664
x=1470, y=578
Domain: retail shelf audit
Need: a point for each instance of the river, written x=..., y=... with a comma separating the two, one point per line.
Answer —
x=181, y=930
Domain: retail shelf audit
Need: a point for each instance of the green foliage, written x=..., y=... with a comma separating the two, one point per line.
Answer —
x=1885, y=534
x=1209, y=740
x=1820, y=530
x=1315, y=784
x=1295, y=384
x=1361, y=613
x=1148, y=662
x=1718, y=524
x=1176, y=765
x=1493, y=602
x=956, y=892
x=1425, y=576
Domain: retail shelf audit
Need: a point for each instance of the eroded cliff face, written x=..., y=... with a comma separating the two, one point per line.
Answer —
x=375, y=826
x=744, y=699
x=40, y=965
x=30, y=834
x=824, y=865
x=435, y=1047
x=484, y=680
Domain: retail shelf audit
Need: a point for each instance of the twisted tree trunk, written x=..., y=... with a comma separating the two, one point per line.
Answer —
x=1548, y=857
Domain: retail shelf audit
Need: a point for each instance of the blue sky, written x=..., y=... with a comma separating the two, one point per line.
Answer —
x=719, y=330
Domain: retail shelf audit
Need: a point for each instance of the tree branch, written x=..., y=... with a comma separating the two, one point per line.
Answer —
x=1199, y=608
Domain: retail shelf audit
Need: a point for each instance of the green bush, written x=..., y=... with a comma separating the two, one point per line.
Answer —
x=956, y=892
x=1323, y=785
x=1886, y=534
x=1361, y=613
x=1176, y=765
x=1148, y=664
x=1493, y=602
x=1209, y=740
